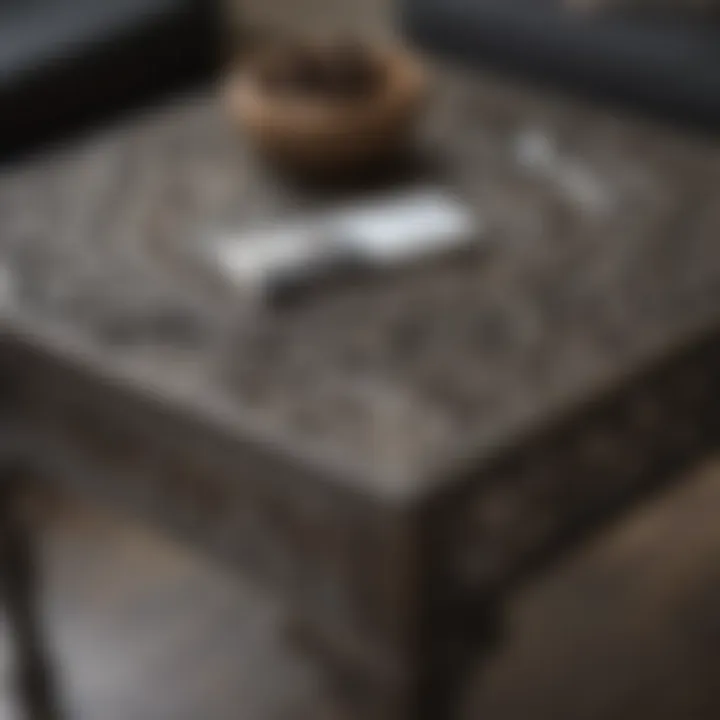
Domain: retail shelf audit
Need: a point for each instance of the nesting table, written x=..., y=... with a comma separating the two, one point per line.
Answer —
x=391, y=457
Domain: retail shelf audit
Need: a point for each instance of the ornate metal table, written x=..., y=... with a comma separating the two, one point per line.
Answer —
x=391, y=457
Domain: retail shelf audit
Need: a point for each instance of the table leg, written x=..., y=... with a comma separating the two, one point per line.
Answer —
x=18, y=581
x=429, y=684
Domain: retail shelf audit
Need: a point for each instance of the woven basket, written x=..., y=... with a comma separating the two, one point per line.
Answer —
x=325, y=137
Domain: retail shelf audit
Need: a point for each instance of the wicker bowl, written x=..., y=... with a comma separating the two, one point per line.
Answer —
x=327, y=137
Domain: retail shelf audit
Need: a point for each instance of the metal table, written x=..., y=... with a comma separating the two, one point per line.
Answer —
x=391, y=457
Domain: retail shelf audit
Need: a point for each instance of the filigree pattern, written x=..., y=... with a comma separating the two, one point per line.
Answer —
x=634, y=439
x=396, y=372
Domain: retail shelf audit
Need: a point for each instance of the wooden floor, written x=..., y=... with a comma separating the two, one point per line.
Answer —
x=627, y=629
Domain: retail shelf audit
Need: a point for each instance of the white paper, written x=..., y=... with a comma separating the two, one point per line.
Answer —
x=251, y=258
x=407, y=228
x=382, y=233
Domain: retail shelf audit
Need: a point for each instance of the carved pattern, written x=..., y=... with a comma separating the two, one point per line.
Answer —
x=316, y=546
x=632, y=440
x=391, y=374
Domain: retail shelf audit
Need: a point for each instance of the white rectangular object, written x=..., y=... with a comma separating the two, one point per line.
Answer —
x=406, y=228
x=387, y=232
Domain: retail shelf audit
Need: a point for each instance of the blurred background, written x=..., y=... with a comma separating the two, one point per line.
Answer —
x=626, y=628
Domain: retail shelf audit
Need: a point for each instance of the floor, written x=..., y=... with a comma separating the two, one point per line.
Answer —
x=628, y=628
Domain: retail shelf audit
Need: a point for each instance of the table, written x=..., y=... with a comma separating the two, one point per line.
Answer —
x=391, y=457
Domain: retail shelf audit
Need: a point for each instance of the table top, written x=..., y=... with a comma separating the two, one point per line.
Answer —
x=601, y=257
